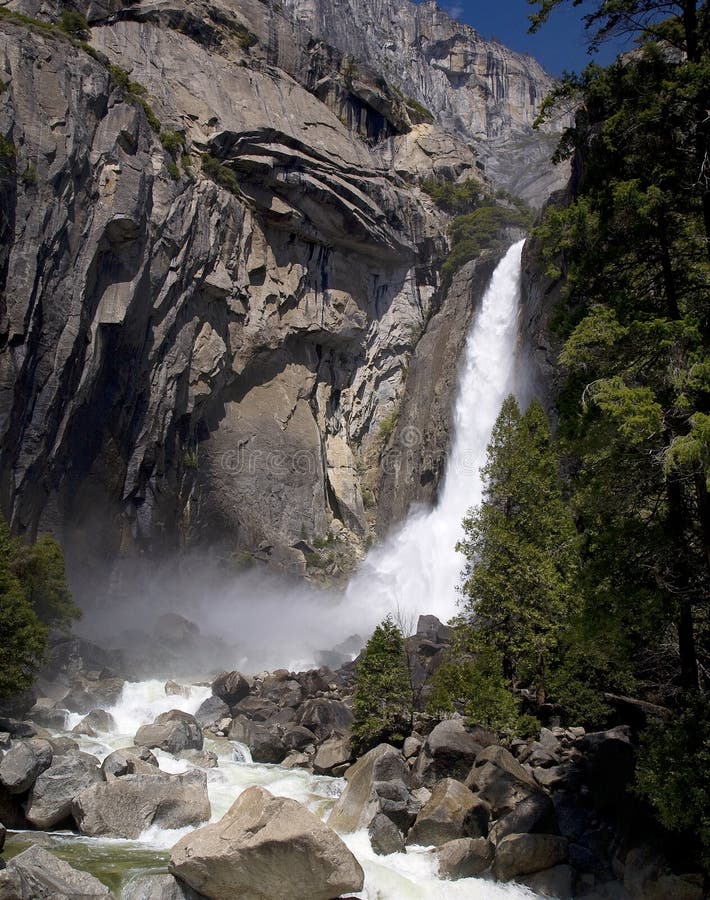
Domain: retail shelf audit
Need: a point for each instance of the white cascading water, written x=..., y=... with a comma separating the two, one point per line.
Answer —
x=418, y=569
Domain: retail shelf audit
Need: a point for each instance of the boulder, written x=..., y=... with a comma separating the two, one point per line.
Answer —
x=24, y=763
x=281, y=689
x=266, y=847
x=325, y=717
x=296, y=760
x=296, y=737
x=63, y=746
x=500, y=780
x=313, y=681
x=412, y=746
x=96, y=722
x=334, y=752
x=534, y=813
x=50, y=800
x=609, y=761
x=557, y=883
x=203, y=759
x=397, y=802
x=264, y=741
x=360, y=802
x=451, y=812
x=36, y=874
x=130, y=761
x=12, y=813
x=258, y=709
x=125, y=807
x=231, y=687
x=211, y=711
x=173, y=689
x=647, y=877
x=385, y=837
x=464, y=857
x=524, y=854
x=172, y=732
x=450, y=751
x=158, y=887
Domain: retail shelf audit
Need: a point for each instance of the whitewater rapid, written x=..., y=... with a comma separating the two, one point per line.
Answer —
x=418, y=569
x=399, y=876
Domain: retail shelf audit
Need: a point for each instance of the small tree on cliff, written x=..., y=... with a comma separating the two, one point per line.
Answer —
x=521, y=548
x=382, y=705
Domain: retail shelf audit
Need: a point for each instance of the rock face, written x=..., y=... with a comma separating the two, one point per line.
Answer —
x=232, y=333
x=126, y=806
x=266, y=847
x=36, y=874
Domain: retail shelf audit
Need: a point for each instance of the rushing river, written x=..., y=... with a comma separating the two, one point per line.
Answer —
x=400, y=876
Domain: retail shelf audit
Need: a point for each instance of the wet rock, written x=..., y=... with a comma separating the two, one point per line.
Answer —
x=266, y=847
x=172, y=731
x=258, y=709
x=451, y=812
x=96, y=722
x=464, y=857
x=296, y=760
x=557, y=882
x=264, y=742
x=360, y=802
x=126, y=806
x=50, y=799
x=449, y=751
x=325, y=717
x=130, y=761
x=297, y=737
x=534, y=813
x=174, y=689
x=211, y=712
x=203, y=759
x=158, y=887
x=385, y=837
x=500, y=780
x=24, y=763
x=230, y=687
x=35, y=874
x=524, y=854
x=334, y=752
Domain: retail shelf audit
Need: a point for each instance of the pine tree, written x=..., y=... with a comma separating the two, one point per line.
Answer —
x=521, y=548
x=382, y=706
x=23, y=638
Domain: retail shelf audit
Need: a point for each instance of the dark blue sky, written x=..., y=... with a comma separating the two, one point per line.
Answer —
x=561, y=44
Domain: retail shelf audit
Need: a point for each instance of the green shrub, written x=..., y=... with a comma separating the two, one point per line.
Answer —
x=382, y=704
x=173, y=171
x=29, y=176
x=186, y=161
x=172, y=141
x=456, y=198
x=388, y=425
x=73, y=24
x=153, y=120
x=7, y=148
x=421, y=113
x=220, y=173
x=245, y=38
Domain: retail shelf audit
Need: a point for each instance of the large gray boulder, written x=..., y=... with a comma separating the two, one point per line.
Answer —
x=50, y=800
x=325, y=717
x=24, y=763
x=385, y=837
x=524, y=854
x=450, y=751
x=36, y=874
x=125, y=807
x=264, y=741
x=464, y=857
x=172, y=732
x=451, y=812
x=130, y=761
x=332, y=754
x=558, y=883
x=360, y=802
x=266, y=847
x=98, y=721
x=501, y=781
x=211, y=711
x=535, y=813
x=158, y=887
x=230, y=687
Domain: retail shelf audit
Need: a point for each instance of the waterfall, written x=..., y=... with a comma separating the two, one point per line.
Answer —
x=418, y=570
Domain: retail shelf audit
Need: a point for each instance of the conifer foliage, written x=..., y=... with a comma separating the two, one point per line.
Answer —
x=521, y=548
x=382, y=705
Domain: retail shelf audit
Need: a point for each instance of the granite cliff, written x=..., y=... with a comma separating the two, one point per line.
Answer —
x=219, y=275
